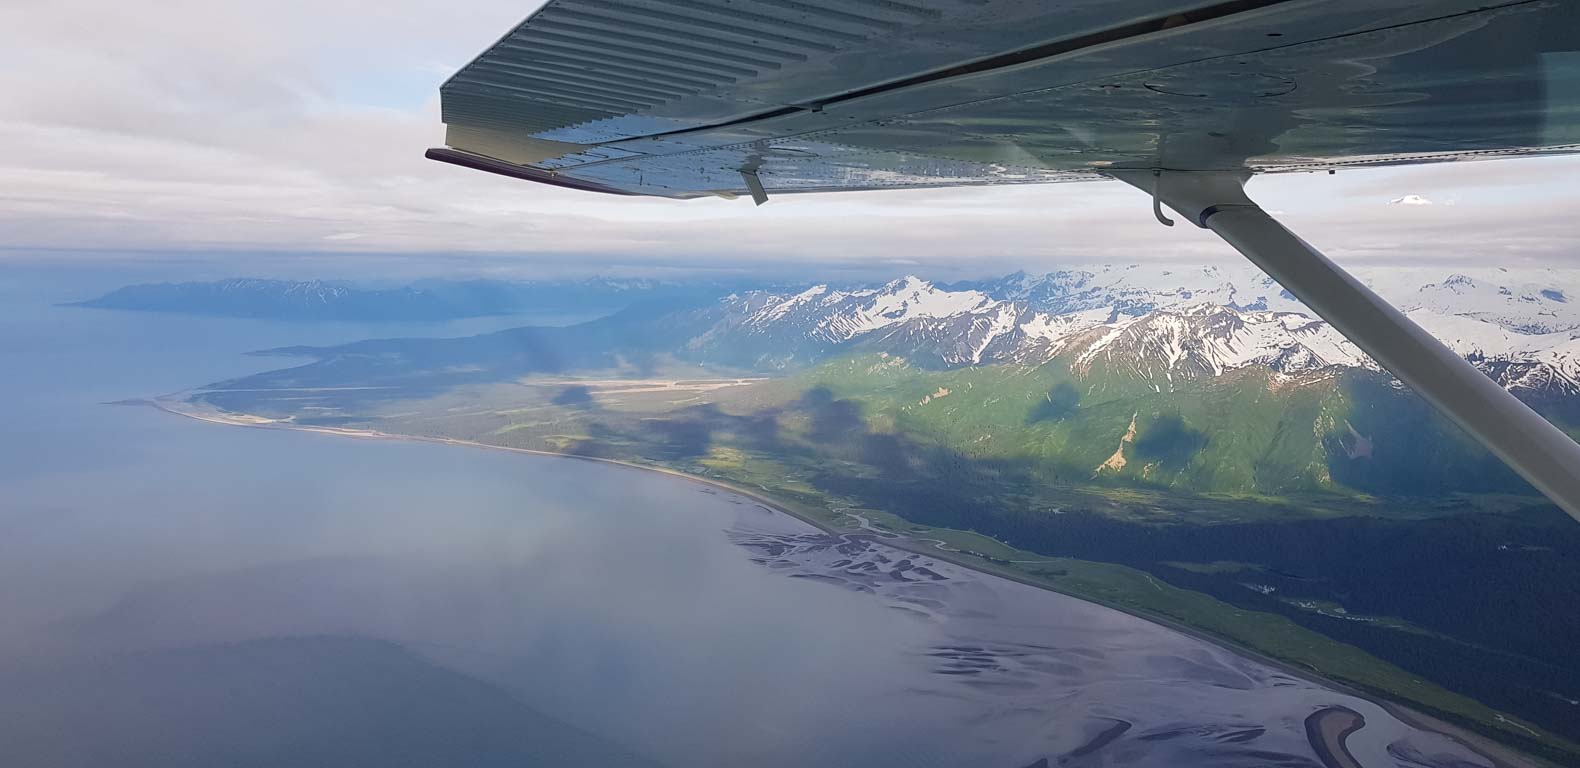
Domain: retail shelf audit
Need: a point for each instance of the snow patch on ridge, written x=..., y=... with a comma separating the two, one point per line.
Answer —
x=1167, y=325
x=783, y=308
x=908, y=298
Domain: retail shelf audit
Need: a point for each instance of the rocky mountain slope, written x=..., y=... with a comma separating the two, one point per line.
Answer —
x=1159, y=325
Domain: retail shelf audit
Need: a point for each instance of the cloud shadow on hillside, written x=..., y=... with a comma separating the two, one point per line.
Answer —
x=1170, y=442
x=1057, y=405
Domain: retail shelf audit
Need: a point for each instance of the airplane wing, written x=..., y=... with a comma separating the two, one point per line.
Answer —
x=1185, y=100
x=689, y=98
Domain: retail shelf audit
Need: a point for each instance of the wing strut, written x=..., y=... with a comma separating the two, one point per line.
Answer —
x=1528, y=443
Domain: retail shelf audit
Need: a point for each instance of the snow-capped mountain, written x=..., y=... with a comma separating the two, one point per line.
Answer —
x=1159, y=324
x=1534, y=362
x=1140, y=288
x=1528, y=302
x=1523, y=300
x=786, y=329
x=1207, y=340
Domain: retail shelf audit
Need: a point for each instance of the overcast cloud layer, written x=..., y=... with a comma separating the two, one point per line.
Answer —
x=287, y=138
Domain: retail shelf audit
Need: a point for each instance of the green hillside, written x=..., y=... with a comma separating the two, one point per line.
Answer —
x=1247, y=432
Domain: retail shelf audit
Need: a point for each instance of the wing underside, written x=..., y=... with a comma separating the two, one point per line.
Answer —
x=684, y=98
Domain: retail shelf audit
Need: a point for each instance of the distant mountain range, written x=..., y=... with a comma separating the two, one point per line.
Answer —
x=1161, y=325
x=1169, y=323
x=1222, y=381
x=1220, y=377
x=425, y=301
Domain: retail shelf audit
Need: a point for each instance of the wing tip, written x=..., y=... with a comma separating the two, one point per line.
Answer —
x=523, y=172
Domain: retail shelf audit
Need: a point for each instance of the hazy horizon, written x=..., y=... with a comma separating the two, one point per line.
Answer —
x=144, y=139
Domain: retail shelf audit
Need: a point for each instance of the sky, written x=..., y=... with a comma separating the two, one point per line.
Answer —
x=286, y=139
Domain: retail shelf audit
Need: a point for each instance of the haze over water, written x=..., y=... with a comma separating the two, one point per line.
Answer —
x=613, y=594
x=450, y=604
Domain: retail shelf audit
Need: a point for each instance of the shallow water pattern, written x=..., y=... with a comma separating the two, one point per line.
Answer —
x=1039, y=675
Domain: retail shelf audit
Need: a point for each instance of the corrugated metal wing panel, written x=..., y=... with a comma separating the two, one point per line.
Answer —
x=679, y=97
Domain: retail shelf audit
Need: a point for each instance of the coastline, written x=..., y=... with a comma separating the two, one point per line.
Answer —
x=1499, y=755
x=371, y=434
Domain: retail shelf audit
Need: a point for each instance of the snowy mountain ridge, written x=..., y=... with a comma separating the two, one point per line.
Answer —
x=1161, y=324
x=1525, y=300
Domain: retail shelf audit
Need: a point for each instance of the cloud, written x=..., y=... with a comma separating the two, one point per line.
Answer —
x=285, y=143
x=1410, y=200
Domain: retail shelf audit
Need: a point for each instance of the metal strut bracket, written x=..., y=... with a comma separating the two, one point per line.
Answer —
x=754, y=185
x=1157, y=202
x=1528, y=443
